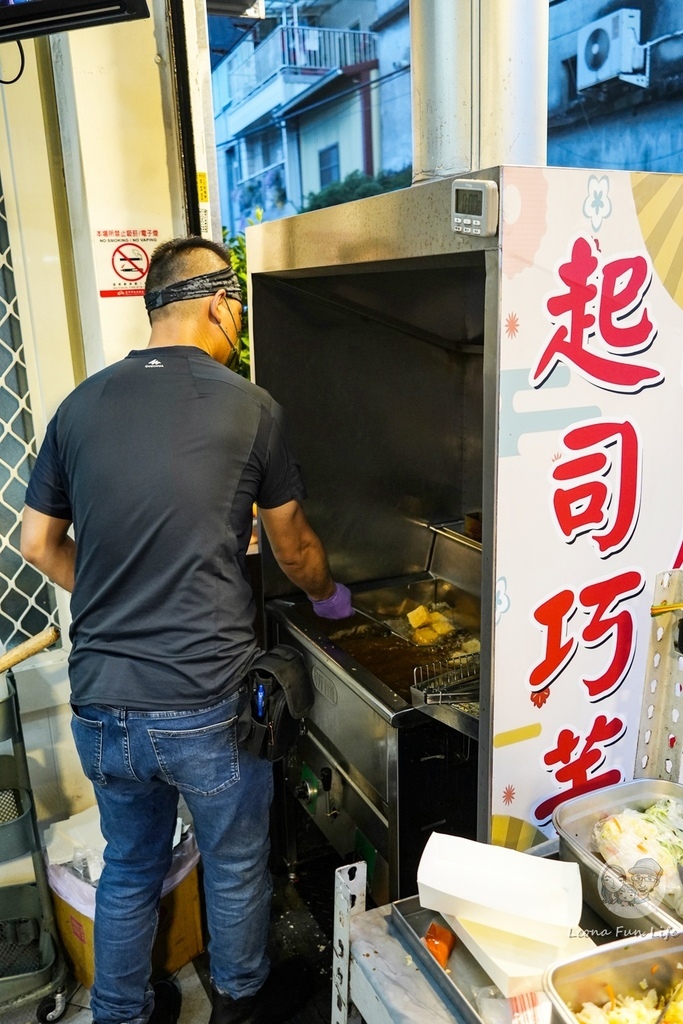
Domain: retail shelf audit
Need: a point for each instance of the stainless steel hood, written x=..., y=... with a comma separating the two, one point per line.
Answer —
x=375, y=325
x=406, y=224
x=369, y=325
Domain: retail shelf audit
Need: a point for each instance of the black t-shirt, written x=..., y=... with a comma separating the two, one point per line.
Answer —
x=158, y=461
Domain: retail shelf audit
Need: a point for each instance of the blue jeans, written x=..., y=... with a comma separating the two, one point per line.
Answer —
x=138, y=761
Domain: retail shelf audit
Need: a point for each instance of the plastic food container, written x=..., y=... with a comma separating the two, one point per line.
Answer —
x=574, y=821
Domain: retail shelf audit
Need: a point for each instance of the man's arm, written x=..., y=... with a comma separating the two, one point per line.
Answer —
x=45, y=543
x=298, y=550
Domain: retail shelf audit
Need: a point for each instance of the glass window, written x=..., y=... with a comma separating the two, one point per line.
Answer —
x=272, y=147
x=329, y=164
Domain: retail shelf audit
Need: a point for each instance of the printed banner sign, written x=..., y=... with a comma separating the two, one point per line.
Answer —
x=590, y=495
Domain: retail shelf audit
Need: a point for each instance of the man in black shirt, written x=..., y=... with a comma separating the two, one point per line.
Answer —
x=157, y=462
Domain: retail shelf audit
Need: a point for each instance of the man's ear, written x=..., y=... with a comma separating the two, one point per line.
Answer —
x=215, y=303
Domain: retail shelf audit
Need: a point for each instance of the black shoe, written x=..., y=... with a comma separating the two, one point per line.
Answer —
x=285, y=991
x=167, y=1003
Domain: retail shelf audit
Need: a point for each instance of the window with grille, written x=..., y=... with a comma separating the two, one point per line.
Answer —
x=27, y=599
x=328, y=159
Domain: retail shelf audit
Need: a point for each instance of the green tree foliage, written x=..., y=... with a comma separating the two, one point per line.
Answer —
x=354, y=186
x=358, y=186
x=237, y=245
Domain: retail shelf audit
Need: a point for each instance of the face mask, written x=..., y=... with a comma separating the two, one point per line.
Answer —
x=233, y=360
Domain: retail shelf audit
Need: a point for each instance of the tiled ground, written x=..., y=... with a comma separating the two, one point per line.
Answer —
x=301, y=925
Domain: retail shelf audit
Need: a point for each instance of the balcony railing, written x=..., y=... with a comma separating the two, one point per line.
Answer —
x=297, y=49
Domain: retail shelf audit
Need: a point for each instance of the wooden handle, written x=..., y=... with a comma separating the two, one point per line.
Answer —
x=31, y=646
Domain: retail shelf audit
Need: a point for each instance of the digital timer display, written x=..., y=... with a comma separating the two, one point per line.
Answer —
x=474, y=207
x=469, y=202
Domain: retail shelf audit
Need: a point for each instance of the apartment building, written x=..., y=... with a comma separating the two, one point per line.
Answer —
x=311, y=92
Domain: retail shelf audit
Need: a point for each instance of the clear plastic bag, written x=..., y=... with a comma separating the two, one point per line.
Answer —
x=87, y=864
x=80, y=894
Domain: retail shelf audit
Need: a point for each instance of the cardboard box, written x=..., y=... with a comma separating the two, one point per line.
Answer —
x=514, y=963
x=500, y=888
x=180, y=936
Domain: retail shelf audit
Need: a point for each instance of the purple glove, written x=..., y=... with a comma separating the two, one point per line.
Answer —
x=336, y=607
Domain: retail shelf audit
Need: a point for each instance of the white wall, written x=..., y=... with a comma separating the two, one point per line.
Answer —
x=393, y=93
x=88, y=143
x=52, y=353
x=649, y=137
x=347, y=12
x=336, y=122
x=118, y=154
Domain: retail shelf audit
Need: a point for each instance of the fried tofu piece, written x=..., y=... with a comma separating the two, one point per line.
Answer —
x=418, y=617
x=442, y=628
x=425, y=636
x=471, y=646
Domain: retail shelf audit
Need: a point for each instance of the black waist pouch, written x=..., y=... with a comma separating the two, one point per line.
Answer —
x=281, y=695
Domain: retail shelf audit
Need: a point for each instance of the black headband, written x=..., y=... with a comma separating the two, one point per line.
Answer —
x=196, y=288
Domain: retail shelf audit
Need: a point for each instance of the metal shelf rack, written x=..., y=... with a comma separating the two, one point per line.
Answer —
x=32, y=967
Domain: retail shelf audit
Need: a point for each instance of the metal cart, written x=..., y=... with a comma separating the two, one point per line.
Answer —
x=32, y=966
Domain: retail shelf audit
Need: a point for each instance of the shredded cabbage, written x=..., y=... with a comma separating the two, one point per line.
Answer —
x=622, y=1010
x=633, y=837
x=632, y=1010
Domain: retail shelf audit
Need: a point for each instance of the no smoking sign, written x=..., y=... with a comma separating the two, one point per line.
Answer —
x=130, y=262
x=123, y=260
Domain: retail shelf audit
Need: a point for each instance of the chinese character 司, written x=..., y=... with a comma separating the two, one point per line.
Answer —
x=589, y=495
x=606, y=311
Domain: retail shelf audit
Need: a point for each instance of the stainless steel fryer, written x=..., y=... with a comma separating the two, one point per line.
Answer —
x=385, y=363
x=378, y=768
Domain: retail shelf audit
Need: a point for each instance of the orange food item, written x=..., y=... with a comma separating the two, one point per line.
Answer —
x=440, y=942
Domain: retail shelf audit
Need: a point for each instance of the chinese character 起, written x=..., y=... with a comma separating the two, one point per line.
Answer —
x=603, y=324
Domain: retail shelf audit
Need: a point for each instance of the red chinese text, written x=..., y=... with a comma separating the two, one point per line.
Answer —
x=601, y=601
x=599, y=490
x=575, y=762
x=602, y=303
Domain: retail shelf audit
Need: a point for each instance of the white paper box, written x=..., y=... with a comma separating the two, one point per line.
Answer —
x=514, y=963
x=503, y=889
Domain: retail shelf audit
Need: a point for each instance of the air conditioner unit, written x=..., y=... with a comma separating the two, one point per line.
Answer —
x=610, y=48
